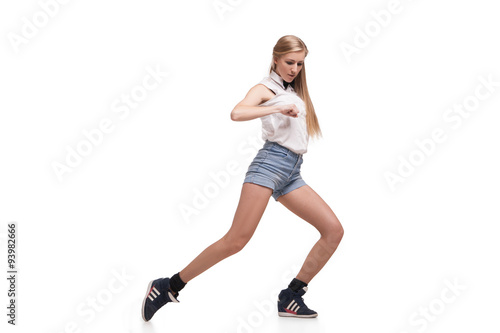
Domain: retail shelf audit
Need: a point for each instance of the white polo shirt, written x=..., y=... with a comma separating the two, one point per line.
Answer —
x=287, y=131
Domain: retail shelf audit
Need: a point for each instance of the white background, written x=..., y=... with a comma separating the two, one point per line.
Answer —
x=118, y=211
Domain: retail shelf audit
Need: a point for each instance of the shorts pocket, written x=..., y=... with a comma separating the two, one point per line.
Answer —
x=278, y=152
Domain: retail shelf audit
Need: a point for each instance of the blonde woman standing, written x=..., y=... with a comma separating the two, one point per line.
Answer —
x=281, y=100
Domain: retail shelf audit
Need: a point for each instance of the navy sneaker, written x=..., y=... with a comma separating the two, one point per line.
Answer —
x=158, y=294
x=291, y=304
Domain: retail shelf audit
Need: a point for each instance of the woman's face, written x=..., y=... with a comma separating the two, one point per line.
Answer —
x=290, y=64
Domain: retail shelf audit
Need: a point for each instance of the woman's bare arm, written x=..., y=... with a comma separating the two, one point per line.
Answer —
x=248, y=108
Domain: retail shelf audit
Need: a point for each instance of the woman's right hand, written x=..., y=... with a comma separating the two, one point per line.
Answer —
x=289, y=110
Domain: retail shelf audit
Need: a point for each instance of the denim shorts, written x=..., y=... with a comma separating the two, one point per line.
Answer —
x=276, y=167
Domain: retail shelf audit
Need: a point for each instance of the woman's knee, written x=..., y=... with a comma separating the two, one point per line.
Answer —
x=234, y=244
x=334, y=233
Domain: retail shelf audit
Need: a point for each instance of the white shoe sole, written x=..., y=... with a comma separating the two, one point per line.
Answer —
x=286, y=314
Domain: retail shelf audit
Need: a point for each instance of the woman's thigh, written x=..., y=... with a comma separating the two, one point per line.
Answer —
x=253, y=202
x=308, y=205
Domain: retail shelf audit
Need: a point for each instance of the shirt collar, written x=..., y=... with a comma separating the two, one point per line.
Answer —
x=279, y=80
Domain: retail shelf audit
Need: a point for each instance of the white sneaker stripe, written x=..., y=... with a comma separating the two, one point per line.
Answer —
x=156, y=291
x=294, y=308
x=291, y=304
x=151, y=298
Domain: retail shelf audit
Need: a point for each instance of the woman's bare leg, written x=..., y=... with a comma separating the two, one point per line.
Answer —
x=308, y=205
x=253, y=202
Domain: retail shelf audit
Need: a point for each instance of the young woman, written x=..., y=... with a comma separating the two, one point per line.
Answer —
x=282, y=102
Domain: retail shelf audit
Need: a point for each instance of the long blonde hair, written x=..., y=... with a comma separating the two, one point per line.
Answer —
x=290, y=43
